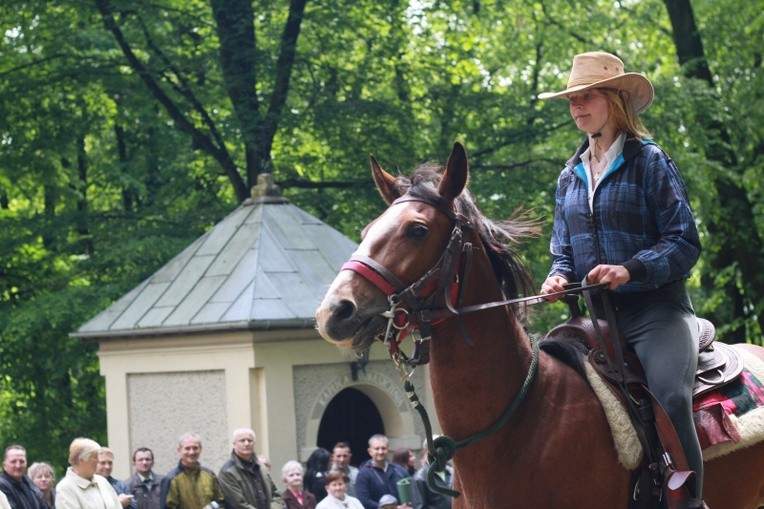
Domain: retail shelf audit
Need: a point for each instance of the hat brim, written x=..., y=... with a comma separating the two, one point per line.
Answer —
x=639, y=88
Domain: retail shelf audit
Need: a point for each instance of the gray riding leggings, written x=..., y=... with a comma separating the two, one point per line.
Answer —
x=663, y=331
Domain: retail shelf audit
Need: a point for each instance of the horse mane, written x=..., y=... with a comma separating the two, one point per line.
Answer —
x=498, y=237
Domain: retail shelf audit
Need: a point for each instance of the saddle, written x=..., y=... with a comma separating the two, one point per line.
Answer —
x=664, y=470
x=718, y=363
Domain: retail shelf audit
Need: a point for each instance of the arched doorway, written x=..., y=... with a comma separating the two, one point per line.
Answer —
x=351, y=417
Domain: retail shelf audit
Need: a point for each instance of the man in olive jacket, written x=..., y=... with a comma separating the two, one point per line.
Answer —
x=245, y=483
x=191, y=485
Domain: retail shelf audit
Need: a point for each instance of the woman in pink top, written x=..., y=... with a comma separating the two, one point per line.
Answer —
x=294, y=496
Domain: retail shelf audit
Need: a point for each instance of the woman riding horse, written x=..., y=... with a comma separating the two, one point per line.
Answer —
x=622, y=217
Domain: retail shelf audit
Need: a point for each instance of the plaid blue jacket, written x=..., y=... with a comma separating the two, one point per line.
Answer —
x=641, y=219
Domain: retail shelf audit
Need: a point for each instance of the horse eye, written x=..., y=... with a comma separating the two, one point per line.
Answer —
x=417, y=231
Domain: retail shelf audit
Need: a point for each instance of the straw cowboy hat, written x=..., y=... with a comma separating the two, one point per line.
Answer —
x=598, y=69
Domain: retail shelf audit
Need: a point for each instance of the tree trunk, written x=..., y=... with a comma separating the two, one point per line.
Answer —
x=83, y=217
x=238, y=51
x=235, y=21
x=734, y=229
x=129, y=199
x=50, y=201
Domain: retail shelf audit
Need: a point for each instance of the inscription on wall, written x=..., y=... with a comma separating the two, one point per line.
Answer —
x=393, y=390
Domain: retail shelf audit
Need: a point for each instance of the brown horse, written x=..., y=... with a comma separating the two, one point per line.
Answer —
x=556, y=450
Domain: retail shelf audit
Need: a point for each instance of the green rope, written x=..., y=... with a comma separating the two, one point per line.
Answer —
x=443, y=448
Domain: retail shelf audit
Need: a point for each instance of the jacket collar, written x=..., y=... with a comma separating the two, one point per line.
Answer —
x=190, y=470
x=631, y=147
x=81, y=482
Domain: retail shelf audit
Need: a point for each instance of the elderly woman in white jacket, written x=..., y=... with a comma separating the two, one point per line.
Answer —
x=82, y=488
x=4, y=504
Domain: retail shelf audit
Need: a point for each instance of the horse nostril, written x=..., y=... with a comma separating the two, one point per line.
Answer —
x=344, y=310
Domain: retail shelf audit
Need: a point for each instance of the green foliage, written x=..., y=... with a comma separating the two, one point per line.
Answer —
x=51, y=385
x=101, y=182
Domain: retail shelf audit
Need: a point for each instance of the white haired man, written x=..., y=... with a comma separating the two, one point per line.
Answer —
x=245, y=482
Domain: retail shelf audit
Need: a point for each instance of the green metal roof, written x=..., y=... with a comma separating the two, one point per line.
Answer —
x=266, y=265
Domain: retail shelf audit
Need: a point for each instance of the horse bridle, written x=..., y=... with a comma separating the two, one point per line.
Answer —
x=412, y=307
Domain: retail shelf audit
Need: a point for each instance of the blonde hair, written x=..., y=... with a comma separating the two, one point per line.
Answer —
x=105, y=451
x=41, y=467
x=81, y=449
x=622, y=112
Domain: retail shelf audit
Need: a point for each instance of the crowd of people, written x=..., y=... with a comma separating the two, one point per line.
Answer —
x=327, y=480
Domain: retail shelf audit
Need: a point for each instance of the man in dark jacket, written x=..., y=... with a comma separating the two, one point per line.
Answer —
x=377, y=476
x=19, y=490
x=245, y=482
x=424, y=497
x=145, y=484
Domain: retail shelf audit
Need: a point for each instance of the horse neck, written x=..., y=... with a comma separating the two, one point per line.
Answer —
x=473, y=384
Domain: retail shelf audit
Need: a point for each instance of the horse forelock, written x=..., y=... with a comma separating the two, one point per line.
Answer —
x=424, y=184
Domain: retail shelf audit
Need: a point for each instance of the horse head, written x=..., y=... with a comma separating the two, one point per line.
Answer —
x=401, y=245
x=410, y=257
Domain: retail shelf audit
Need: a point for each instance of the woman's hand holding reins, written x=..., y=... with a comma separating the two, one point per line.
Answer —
x=613, y=275
x=553, y=285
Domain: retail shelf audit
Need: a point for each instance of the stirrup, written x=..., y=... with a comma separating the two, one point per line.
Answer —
x=676, y=479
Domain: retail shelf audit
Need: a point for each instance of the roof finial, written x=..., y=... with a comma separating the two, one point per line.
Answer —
x=266, y=186
x=266, y=191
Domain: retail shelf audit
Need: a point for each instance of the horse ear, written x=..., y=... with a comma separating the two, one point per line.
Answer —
x=456, y=175
x=384, y=181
